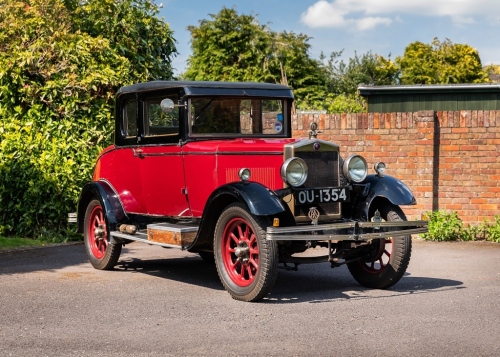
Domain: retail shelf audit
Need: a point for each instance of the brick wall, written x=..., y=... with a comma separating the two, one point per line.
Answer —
x=450, y=160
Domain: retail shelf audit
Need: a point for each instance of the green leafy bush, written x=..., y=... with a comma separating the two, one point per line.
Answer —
x=493, y=231
x=57, y=85
x=443, y=226
x=447, y=226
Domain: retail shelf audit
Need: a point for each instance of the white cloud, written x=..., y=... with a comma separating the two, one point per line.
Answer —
x=368, y=23
x=367, y=14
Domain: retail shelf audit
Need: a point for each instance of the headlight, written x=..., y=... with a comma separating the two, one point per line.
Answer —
x=294, y=171
x=379, y=168
x=355, y=168
x=244, y=174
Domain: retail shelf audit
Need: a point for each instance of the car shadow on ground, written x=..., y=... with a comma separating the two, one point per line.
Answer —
x=190, y=270
x=48, y=258
x=314, y=283
x=322, y=284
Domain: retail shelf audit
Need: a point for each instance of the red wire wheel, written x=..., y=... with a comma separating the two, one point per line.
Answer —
x=102, y=250
x=240, y=252
x=97, y=233
x=246, y=262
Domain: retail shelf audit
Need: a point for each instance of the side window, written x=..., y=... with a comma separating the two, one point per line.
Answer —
x=211, y=115
x=158, y=122
x=262, y=117
x=129, y=128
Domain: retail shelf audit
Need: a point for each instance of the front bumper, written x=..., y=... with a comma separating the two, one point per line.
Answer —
x=356, y=231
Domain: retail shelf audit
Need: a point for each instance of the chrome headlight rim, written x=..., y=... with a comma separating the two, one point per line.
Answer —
x=355, y=168
x=294, y=171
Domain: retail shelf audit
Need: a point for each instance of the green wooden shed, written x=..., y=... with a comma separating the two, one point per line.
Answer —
x=439, y=97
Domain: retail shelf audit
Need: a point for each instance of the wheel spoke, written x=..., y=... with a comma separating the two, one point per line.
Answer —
x=233, y=238
x=234, y=264
x=250, y=274
x=253, y=240
x=254, y=264
x=240, y=233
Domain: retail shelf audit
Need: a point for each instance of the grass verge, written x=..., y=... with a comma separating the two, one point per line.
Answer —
x=11, y=243
x=16, y=242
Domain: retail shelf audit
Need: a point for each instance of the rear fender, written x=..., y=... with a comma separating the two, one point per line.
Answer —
x=110, y=201
x=388, y=187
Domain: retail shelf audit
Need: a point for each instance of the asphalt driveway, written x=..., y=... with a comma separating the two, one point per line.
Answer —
x=162, y=302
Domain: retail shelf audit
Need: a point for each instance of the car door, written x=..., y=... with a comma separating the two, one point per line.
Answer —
x=160, y=157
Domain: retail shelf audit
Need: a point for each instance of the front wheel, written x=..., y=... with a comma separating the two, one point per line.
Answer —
x=246, y=262
x=387, y=259
x=103, y=252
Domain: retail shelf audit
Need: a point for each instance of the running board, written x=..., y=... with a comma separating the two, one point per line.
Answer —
x=163, y=234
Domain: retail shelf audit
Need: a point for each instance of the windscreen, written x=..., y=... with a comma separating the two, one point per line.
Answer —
x=215, y=116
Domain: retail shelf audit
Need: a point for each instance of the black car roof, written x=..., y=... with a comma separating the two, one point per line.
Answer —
x=200, y=88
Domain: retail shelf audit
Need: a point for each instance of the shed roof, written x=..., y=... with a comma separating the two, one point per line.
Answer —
x=367, y=90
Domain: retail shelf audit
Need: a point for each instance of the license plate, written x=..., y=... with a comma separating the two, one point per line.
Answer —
x=309, y=196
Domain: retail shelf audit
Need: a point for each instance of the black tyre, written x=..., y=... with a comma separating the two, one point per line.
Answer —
x=103, y=252
x=387, y=258
x=246, y=262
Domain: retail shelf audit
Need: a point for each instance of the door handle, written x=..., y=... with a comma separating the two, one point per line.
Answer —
x=138, y=153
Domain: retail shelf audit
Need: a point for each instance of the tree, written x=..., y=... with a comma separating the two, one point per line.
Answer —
x=232, y=47
x=342, y=80
x=133, y=30
x=369, y=68
x=57, y=85
x=440, y=63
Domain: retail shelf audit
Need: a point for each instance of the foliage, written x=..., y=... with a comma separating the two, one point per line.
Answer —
x=332, y=103
x=342, y=80
x=440, y=63
x=443, y=226
x=493, y=230
x=134, y=31
x=369, y=68
x=13, y=242
x=447, y=226
x=345, y=104
x=57, y=84
x=233, y=47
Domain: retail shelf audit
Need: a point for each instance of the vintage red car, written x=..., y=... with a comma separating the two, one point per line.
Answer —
x=212, y=168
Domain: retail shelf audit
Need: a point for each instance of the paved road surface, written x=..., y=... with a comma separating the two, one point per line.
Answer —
x=165, y=302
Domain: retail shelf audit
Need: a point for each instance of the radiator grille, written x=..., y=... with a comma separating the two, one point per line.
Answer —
x=323, y=172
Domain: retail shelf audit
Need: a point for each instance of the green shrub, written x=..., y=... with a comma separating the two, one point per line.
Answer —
x=58, y=77
x=447, y=226
x=443, y=226
x=493, y=231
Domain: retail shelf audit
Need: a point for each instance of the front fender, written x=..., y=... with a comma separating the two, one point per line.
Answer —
x=110, y=201
x=388, y=187
x=259, y=199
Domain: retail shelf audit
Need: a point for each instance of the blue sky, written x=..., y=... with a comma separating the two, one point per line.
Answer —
x=381, y=26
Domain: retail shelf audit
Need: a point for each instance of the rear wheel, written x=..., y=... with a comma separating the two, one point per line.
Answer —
x=103, y=252
x=246, y=262
x=387, y=259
